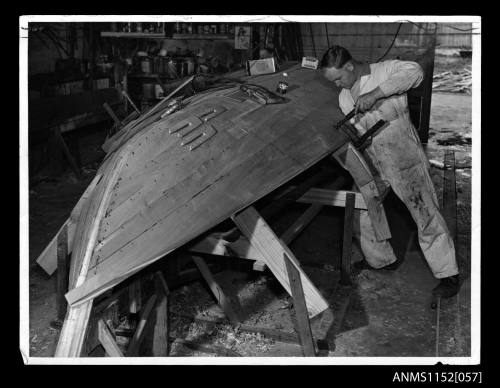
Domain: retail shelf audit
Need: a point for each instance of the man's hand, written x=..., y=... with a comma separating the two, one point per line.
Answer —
x=367, y=100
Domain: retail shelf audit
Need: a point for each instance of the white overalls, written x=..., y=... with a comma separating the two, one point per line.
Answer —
x=397, y=154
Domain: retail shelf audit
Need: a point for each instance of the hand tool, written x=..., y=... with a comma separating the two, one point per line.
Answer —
x=349, y=116
x=365, y=140
x=359, y=142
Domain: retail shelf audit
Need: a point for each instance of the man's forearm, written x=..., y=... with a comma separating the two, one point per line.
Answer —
x=404, y=75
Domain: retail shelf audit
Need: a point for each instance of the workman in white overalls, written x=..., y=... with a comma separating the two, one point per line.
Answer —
x=378, y=91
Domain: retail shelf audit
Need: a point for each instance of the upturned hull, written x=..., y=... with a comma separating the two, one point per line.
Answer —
x=183, y=174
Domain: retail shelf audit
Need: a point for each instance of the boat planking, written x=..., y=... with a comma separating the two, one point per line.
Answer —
x=167, y=181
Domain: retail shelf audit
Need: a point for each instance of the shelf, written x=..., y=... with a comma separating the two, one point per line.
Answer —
x=148, y=76
x=202, y=36
x=143, y=35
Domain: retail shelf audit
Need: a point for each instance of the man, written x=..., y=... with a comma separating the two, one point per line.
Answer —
x=378, y=91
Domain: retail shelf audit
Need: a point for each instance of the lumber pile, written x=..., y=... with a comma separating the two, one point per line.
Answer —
x=453, y=81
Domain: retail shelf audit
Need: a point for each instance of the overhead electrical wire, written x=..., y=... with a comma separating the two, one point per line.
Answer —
x=442, y=24
x=392, y=43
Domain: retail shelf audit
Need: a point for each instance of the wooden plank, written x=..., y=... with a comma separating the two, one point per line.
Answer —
x=272, y=249
x=75, y=325
x=352, y=160
x=161, y=327
x=299, y=304
x=134, y=295
x=259, y=265
x=112, y=114
x=242, y=247
x=450, y=193
x=67, y=153
x=300, y=223
x=135, y=342
x=327, y=197
x=62, y=272
x=74, y=329
x=293, y=193
x=345, y=274
x=428, y=67
x=215, y=245
x=107, y=341
x=48, y=258
x=224, y=301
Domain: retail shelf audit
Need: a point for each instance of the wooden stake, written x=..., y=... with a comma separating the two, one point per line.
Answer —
x=345, y=275
x=107, y=341
x=135, y=342
x=261, y=236
x=160, y=333
x=299, y=305
x=67, y=153
x=300, y=223
x=112, y=114
x=222, y=299
x=134, y=294
x=450, y=193
x=62, y=272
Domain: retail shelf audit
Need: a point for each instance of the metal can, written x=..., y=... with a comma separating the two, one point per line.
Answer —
x=158, y=91
x=148, y=91
x=146, y=65
x=180, y=68
x=172, y=68
x=190, y=66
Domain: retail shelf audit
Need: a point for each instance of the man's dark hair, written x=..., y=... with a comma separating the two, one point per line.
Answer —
x=336, y=56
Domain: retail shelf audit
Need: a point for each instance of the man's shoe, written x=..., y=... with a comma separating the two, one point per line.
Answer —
x=447, y=287
x=363, y=264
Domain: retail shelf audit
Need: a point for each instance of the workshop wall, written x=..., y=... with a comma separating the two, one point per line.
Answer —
x=368, y=41
x=454, y=35
x=48, y=43
x=372, y=42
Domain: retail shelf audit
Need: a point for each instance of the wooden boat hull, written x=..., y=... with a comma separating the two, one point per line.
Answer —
x=185, y=173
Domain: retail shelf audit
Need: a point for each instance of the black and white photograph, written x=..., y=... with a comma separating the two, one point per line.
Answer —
x=250, y=190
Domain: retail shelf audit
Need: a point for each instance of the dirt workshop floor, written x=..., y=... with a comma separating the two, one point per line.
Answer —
x=384, y=313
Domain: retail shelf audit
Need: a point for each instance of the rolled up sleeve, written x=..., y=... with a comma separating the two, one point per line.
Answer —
x=401, y=76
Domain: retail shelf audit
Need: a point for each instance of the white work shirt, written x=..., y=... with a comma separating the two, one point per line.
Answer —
x=394, y=78
x=397, y=146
